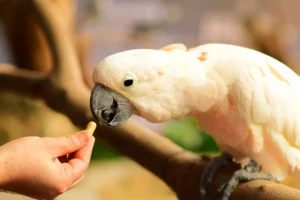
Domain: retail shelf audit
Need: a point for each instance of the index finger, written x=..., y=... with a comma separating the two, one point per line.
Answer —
x=80, y=161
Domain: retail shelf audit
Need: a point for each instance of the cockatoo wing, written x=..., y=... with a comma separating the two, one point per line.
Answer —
x=268, y=93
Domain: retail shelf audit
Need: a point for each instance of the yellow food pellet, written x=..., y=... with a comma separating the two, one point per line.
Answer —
x=90, y=127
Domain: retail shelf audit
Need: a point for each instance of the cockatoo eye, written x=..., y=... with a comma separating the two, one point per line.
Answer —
x=129, y=80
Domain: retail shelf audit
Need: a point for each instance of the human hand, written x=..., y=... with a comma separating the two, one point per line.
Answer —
x=44, y=168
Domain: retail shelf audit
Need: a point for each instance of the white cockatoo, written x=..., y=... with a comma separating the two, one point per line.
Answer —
x=247, y=101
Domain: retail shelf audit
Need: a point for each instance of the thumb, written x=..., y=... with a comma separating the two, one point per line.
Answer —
x=69, y=144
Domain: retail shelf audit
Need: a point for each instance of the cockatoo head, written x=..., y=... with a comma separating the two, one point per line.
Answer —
x=146, y=82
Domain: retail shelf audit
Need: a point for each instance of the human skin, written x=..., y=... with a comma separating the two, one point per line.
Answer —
x=44, y=167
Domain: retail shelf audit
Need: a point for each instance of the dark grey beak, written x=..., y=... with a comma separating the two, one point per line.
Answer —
x=108, y=107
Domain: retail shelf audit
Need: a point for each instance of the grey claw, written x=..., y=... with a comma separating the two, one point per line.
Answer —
x=213, y=166
x=248, y=173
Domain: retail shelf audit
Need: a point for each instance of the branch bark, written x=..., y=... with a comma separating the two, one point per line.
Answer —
x=27, y=40
x=68, y=94
x=83, y=50
x=20, y=80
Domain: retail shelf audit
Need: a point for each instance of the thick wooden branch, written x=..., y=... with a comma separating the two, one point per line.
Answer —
x=20, y=80
x=67, y=83
x=83, y=50
x=61, y=41
x=27, y=42
x=183, y=176
x=68, y=94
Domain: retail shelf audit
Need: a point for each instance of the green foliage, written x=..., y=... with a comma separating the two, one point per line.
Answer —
x=103, y=152
x=186, y=134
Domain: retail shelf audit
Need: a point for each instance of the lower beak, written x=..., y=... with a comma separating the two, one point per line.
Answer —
x=108, y=107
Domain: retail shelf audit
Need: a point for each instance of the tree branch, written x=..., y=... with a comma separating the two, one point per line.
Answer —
x=83, y=42
x=67, y=84
x=20, y=80
x=68, y=94
x=184, y=171
x=61, y=42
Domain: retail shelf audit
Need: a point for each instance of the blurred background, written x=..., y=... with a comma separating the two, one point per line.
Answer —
x=104, y=27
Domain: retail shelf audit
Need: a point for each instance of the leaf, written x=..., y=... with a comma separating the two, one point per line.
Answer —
x=185, y=133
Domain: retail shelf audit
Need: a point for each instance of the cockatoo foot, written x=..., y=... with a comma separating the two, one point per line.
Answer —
x=248, y=173
x=214, y=165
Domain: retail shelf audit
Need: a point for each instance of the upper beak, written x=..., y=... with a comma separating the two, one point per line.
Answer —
x=109, y=107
